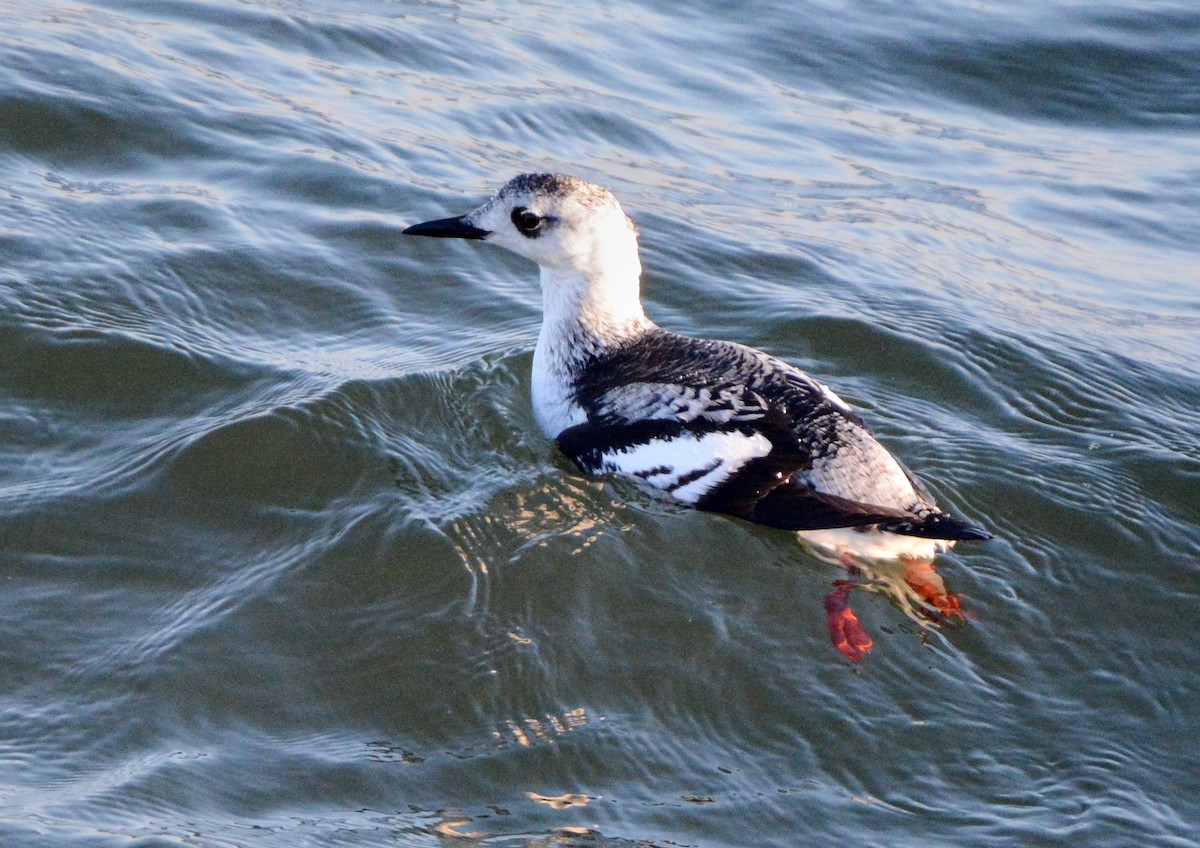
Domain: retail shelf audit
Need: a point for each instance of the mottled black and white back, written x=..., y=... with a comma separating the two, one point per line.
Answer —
x=716, y=425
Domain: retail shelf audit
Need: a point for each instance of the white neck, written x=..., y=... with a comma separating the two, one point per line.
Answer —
x=584, y=313
x=604, y=309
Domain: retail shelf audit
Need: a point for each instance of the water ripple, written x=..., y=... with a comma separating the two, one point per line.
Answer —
x=286, y=561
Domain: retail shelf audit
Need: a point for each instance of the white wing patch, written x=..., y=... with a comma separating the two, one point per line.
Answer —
x=688, y=465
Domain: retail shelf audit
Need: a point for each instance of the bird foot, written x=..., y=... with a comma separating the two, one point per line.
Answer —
x=845, y=631
x=928, y=585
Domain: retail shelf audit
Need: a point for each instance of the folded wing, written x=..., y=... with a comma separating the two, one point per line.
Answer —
x=729, y=429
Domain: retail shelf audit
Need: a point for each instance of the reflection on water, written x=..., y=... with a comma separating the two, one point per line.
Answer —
x=529, y=731
x=284, y=560
x=450, y=826
x=560, y=802
x=519, y=519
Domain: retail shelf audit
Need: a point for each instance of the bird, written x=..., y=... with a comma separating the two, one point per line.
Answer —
x=715, y=425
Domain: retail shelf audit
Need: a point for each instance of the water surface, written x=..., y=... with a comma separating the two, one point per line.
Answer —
x=284, y=560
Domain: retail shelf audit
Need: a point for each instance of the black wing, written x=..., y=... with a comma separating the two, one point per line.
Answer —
x=821, y=468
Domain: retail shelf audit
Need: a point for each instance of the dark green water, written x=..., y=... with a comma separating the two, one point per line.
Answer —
x=284, y=560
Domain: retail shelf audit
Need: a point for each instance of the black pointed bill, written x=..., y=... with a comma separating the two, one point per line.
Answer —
x=459, y=227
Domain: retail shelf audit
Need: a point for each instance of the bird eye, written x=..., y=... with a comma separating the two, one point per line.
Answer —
x=525, y=221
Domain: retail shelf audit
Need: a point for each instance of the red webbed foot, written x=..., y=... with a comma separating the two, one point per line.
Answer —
x=928, y=584
x=845, y=631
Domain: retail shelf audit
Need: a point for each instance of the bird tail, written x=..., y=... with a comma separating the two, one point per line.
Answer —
x=939, y=525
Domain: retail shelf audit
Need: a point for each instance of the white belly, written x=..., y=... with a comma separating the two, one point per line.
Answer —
x=874, y=545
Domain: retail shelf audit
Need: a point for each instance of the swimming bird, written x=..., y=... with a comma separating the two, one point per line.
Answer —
x=716, y=425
